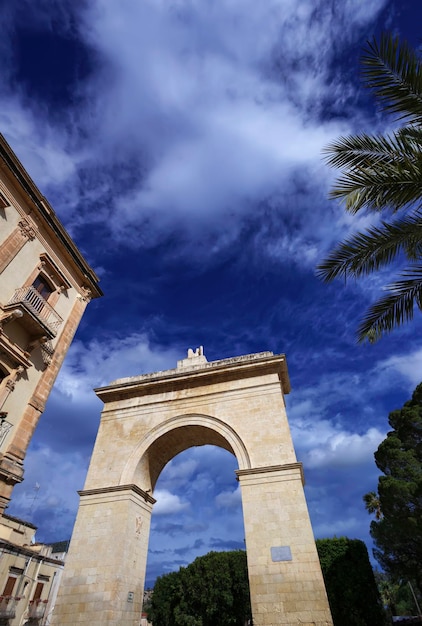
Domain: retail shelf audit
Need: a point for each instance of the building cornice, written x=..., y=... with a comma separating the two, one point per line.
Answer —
x=247, y=366
x=46, y=212
x=13, y=548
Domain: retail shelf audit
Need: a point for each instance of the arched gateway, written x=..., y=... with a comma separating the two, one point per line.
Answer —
x=237, y=404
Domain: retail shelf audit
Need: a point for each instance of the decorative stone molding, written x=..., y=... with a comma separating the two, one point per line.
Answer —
x=9, y=316
x=13, y=377
x=48, y=267
x=8, y=383
x=47, y=352
x=46, y=346
x=115, y=488
x=270, y=469
x=85, y=294
x=27, y=229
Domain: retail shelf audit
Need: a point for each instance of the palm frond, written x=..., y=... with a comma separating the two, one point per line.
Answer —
x=381, y=186
x=363, y=151
x=366, y=252
x=379, y=171
x=395, y=308
x=394, y=71
x=392, y=188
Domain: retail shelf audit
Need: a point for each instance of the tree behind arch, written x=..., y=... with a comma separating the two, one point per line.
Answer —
x=211, y=591
x=398, y=531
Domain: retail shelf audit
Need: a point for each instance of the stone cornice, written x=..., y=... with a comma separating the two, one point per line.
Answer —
x=15, y=549
x=46, y=212
x=116, y=488
x=272, y=468
x=246, y=366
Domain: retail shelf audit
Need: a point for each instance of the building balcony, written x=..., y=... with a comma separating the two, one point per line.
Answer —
x=8, y=607
x=38, y=317
x=36, y=609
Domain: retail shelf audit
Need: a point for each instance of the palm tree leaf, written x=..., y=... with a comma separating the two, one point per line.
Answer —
x=395, y=308
x=366, y=252
x=394, y=71
x=362, y=151
x=384, y=173
x=372, y=504
x=381, y=186
x=379, y=171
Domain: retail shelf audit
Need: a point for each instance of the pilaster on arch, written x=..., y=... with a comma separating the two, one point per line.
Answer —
x=224, y=436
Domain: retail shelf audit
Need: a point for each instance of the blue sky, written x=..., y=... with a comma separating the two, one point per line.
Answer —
x=180, y=142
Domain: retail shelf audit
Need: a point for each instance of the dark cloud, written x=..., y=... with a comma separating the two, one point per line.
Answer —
x=219, y=544
x=198, y=544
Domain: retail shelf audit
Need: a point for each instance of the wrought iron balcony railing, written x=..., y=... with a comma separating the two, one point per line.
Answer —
x=33, y=303
x=8, y=607
x=36, y=609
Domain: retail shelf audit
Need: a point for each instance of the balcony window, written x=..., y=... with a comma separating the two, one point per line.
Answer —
x=38, y=317
x=43, y=286
x=34, y=302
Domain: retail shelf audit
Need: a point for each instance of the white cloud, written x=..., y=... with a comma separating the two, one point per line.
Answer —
x=219, y=108
x=181, y=470
x=168, y=503
x=53, y=506
x=229, y=499
x=408, y=366
x=210, y=108
x=327, y=446
x=99, y=363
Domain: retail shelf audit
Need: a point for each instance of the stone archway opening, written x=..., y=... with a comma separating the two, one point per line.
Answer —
x=177, y=440
x=198, y=510
x=237, y=404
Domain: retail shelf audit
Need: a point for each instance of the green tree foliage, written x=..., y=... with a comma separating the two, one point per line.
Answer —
x=383, y=173
x=351, y=588
x=396, y=596
x=397, y=533
x=211, y=591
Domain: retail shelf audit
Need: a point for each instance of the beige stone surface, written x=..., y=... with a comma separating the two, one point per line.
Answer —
x=237, y=404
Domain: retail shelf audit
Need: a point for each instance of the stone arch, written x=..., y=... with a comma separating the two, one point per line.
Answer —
x=175, y=435
x=237, y=404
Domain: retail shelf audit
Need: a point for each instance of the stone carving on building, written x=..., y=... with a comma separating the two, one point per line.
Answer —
x=27, y=229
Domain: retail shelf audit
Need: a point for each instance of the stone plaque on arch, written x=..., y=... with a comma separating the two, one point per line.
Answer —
x=237, y=404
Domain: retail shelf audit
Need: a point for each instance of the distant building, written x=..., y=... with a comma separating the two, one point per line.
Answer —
x=45, y=286
x=29, y=574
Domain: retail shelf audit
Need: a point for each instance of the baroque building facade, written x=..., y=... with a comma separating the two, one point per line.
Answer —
x=30, y=574
x=45, y=286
